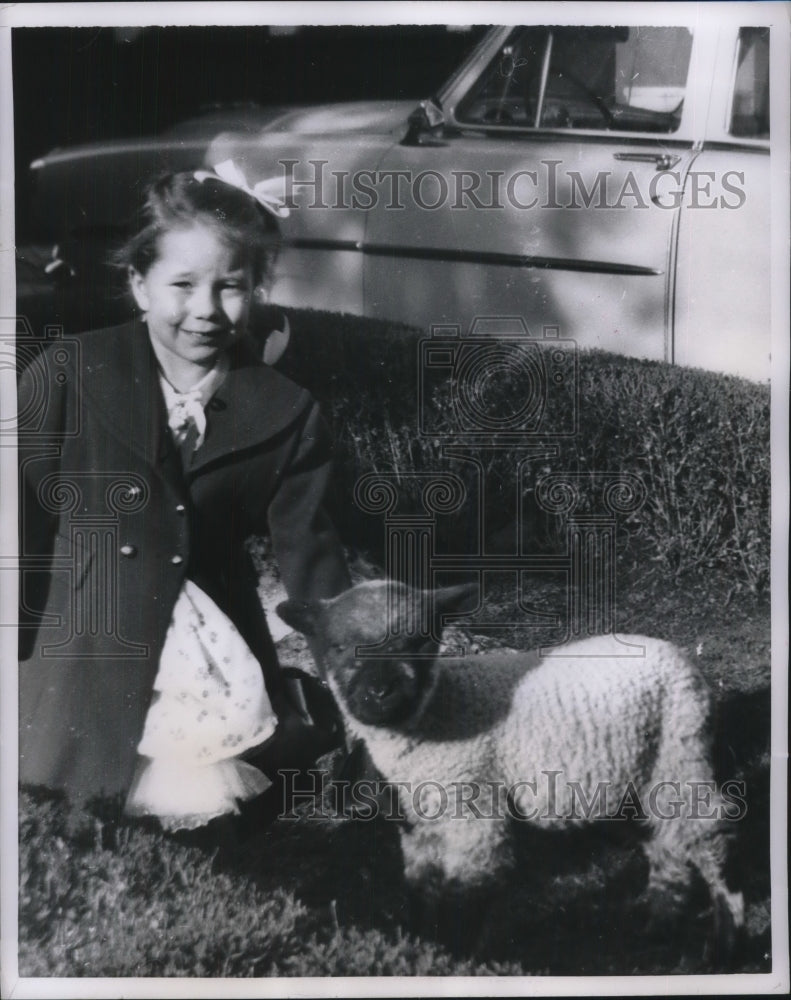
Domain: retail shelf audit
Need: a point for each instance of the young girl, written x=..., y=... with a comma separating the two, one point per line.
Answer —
x=147, y=665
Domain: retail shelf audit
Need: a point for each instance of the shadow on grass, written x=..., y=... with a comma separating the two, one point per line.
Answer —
x=324, y=896
x=572, y=906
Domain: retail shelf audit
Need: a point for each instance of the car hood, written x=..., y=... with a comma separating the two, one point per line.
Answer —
x=96, y=185
x=367, y=117
x=194, y=135
x=190, y=134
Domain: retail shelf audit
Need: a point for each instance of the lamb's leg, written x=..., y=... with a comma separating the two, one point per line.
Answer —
x=676, y=847
x=424, y=911
x=686, y=830
x=452, y=866
x=670, y=849
x=727, y=906
x=458, y=917
x=669, y=874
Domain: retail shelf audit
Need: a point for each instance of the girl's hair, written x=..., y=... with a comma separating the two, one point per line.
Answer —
x=177, y=201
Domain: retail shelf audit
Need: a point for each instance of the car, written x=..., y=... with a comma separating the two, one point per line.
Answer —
x=611, y=184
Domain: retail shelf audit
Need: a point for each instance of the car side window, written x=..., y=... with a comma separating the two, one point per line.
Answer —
x=622, y=78
x=749, y=114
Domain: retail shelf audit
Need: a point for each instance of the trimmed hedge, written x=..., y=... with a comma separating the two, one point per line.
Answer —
x=698, y=441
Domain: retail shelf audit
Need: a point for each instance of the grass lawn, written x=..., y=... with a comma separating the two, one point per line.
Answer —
x=323, y=896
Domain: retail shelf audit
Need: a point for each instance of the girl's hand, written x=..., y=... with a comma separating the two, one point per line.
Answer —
x=295, y=745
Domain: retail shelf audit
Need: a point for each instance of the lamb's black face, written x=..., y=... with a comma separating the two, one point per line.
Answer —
x=383, y=692
x=377, y=643
x=385, y=688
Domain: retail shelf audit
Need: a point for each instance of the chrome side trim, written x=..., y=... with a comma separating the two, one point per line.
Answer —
x=476, y=257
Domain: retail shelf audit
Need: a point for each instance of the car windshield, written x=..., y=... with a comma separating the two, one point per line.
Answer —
x=622, y=78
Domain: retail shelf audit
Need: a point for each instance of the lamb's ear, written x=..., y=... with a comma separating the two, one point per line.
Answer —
x=461, y=598
x=300, y=615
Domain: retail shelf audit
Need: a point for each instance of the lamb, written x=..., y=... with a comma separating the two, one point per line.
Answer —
x=474, y=743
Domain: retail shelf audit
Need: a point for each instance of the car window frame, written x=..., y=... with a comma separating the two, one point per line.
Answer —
x=721, y=118
x=710, y=82
x=551, y=81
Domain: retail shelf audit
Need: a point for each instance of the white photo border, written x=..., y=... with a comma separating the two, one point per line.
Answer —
x=133, y=14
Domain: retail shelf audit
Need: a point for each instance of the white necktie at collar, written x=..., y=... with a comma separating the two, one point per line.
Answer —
x=186, y=410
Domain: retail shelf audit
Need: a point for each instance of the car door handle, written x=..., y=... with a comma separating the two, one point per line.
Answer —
x=663, y=161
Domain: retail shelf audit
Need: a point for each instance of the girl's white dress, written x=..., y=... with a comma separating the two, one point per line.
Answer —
x=209, y=702
x=209, y=705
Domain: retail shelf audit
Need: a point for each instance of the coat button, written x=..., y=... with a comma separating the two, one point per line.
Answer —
x=130, y=551
x=180, y=508
x=177, y=560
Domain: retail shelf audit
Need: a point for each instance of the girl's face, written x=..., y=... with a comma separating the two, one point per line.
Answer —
x=196, y=296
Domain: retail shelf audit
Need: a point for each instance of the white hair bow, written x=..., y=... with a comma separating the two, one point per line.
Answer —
x=268, y=193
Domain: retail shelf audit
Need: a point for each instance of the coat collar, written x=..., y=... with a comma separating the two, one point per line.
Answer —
x=120, y=380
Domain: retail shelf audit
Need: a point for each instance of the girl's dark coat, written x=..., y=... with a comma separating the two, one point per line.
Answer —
x=112, y=523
